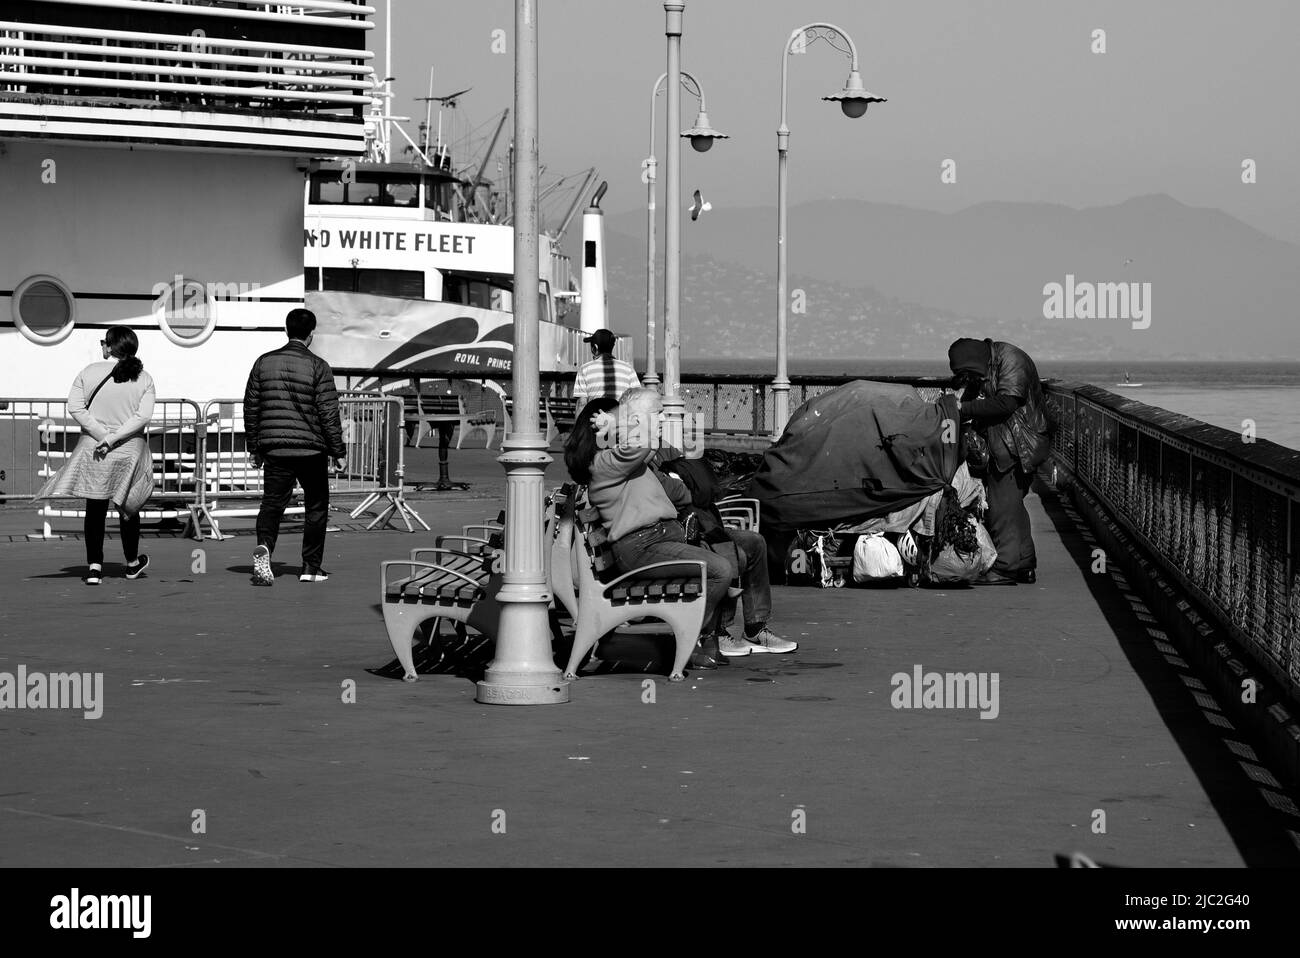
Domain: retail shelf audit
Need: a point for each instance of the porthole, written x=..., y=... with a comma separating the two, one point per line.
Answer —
x=186, y=311
x=44, y=310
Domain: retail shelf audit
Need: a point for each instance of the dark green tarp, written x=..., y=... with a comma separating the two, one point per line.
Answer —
x=861, y=450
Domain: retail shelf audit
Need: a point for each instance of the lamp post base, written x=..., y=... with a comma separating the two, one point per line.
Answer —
x=523, y=671
x=513, y=693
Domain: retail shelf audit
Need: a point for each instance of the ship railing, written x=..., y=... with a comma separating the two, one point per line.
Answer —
x=1216, y=509
x=99, y=65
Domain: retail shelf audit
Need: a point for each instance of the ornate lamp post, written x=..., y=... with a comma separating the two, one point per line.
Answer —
x=854, y=100
x=701, y=136
x=523, y=671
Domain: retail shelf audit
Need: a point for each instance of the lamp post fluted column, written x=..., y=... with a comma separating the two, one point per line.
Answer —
x=673, y=405
x=523, y=671
x=854, y=100
x=651, y=178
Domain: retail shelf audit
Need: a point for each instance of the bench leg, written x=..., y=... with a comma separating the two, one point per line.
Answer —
x=401, y=623
x=686, y=620
x=585, y=636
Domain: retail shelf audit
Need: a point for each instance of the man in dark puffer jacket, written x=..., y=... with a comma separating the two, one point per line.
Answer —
x=291, y=421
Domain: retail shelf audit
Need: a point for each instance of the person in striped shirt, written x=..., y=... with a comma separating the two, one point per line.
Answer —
x=604, y=375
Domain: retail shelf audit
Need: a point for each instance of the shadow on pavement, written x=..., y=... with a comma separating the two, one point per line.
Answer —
x=1259, y=832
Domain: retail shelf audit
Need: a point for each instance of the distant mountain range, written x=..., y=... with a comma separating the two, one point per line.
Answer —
x=885, y=281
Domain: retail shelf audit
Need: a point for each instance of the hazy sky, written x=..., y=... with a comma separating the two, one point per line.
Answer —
x=1009, y=89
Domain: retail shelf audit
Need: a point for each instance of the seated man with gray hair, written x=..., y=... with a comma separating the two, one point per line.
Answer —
x=615, y=450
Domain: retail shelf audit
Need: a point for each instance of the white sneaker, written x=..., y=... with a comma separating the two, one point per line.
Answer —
x=262, y=574
x=769, y=641
x=320, y=575
x=734, y=648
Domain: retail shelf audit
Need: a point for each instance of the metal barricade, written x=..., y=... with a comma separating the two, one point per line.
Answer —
x=374, y=433
x=373, y=466
x=37, y=436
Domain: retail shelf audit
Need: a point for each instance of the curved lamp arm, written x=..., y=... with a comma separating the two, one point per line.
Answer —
x=691, y=86
x=813, y=32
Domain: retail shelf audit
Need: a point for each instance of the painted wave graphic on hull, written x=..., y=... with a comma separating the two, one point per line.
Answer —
x=364, y=331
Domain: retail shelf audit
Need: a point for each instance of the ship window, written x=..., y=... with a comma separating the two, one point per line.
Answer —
x=186, y=312
x=402, y=193
x=365, y=191
x=44, y=310
x=327, y=190
x=404, y=283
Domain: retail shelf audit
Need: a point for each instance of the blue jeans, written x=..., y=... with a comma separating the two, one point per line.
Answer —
x=662, y=542
x=757, y=595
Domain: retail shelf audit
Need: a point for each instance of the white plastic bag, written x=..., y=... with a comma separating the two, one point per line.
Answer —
x=875, y=557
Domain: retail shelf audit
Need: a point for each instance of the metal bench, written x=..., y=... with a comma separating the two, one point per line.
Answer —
x=671, y=591
x=560, y=413
x=446, y=411
x=457, y=583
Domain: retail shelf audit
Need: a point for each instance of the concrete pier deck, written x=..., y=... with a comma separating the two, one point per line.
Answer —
x=224, y=702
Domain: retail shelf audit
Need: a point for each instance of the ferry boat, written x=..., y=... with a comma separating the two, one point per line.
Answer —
x=404, y=277
x=160, y=168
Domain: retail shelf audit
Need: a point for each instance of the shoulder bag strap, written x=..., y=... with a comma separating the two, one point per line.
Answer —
x=95, y=391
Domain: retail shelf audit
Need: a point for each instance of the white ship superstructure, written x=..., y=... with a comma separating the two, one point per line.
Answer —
x=152, y=162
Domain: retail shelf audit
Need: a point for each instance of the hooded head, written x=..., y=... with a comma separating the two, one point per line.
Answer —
x=969, y=360
x=970, y=356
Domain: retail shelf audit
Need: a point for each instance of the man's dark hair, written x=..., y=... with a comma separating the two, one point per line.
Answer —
x=300, y=323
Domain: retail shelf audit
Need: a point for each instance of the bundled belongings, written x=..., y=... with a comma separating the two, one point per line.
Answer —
x=961, y=550
x=861, y=450
x=876, y=558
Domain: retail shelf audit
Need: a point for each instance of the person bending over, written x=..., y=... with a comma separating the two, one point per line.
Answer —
x=1012, y=417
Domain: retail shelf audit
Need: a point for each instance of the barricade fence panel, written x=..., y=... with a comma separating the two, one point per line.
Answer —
x=1218, y=514
x=38, y=437
x=200, y=457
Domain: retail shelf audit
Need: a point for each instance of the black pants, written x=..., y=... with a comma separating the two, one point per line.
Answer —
x=278, y=476
x=96, y=517
x=1008, y=520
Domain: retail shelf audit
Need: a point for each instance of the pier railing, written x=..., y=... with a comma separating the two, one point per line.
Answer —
x=727, y=405
x=1216, y=509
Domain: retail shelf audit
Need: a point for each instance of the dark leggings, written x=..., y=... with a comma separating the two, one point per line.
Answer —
x=96, y=515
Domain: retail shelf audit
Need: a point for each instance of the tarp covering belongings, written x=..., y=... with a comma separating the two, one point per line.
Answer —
x=860, y=450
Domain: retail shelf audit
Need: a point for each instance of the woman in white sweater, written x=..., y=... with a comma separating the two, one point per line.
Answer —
x=113, y=402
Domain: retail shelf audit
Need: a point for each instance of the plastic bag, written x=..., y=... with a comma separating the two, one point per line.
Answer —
x=875, y=557
x=951, y=566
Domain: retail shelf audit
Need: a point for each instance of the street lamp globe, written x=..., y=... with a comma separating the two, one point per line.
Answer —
x=702, y=134
x=854, y=98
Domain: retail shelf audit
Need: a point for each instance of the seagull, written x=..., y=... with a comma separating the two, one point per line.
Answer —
x=1127, y=261
x=699, y=206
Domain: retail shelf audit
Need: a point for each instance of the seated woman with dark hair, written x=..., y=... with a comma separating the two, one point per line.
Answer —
x=615, y=451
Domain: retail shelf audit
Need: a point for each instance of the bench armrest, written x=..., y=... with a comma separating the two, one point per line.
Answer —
x=438, y=542
x=413, y=565
x=636, y=573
